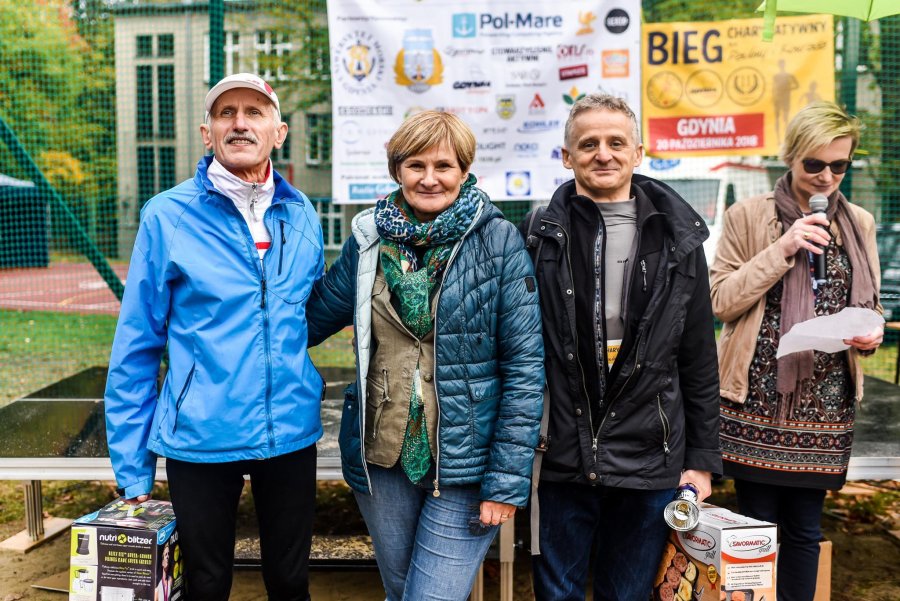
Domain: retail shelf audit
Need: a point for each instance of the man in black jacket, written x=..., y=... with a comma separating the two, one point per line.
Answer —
x=632, y=379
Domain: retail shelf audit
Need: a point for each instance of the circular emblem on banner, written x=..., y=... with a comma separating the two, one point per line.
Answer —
x=664, y=90
x=358, y=62
x=703, y=88
x=746, y=86
x=617, y=20
x=351, y=132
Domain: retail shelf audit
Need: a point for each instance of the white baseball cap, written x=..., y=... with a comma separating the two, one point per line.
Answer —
x=242, y=80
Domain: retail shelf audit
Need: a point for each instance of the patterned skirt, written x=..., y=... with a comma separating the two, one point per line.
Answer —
x=811, y=449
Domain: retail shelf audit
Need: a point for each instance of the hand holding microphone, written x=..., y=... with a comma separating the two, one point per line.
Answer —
x=808, y=233
x=818, y=204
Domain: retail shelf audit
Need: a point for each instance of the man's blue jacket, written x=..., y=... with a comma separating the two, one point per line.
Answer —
x=240, y=384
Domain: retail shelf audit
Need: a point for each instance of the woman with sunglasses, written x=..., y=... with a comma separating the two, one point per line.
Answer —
x=787, y=424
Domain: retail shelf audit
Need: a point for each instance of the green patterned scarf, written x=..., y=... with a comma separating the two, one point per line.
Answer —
x=412, y=281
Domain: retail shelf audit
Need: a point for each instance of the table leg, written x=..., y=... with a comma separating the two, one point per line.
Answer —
x=38, y=529
x=507, y=556
x=477, y=593
x=34, y=510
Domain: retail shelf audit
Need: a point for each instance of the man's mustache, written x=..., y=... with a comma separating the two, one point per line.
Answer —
x=246, y=137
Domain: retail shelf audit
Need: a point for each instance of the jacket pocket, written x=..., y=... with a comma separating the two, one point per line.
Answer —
x=376, y=398
x=183, y=395
x=291, y=271
x=664, y=422
x=485, y=389
x=484, y=395
x=349, y=430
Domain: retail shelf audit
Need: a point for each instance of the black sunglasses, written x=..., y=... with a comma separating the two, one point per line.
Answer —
x=815, y=166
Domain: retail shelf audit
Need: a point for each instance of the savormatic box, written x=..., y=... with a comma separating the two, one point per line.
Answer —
x=727, y=557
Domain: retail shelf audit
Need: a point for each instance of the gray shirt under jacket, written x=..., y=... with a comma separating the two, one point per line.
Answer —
x=620, y=221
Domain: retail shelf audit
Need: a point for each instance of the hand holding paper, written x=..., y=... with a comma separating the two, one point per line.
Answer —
x=828, y=333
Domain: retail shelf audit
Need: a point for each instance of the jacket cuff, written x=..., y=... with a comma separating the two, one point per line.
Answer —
x=505, y=488
x=706, y=460
x=143, y=487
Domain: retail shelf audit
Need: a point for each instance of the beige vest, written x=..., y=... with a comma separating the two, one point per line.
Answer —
x=391, y=377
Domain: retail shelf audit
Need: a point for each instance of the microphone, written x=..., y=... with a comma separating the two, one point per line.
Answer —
x=818, y=203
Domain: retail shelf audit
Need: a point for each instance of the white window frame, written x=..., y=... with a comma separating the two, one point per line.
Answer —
x=272, y=46
x=232, y=54
x=317, y=152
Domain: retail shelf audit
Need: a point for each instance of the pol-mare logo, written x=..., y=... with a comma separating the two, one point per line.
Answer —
x=464, y=25
x=358, y=62
x=418, y=65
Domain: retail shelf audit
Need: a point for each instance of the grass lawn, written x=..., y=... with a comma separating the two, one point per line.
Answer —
x=38, y=348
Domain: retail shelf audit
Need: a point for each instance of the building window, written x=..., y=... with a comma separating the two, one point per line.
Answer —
x=318, y=139
x=165, y=107
x=273, y=51
x=144, y=102
x=232, y=54
x=283, y=154
x=316, y=54
x=165, y=45
x=166, y=168
x=146, y=175
x=332, y=218
x=145, y=46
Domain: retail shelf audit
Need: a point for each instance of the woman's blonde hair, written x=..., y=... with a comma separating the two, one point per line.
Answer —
x=817, y=125
x=426, y=130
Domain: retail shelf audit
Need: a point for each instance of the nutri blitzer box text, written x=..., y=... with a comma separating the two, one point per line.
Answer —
x=126, y=553
x=727, y=557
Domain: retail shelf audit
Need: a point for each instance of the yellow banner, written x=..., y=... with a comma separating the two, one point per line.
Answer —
x=717, y=88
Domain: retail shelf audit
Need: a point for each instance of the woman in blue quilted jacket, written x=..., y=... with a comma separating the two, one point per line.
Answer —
x=439, y=430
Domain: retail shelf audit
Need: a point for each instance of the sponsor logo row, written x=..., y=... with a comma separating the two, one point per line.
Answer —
x=506, y=106
x=359, y=64
x=359, y=61
x=518, y=185
x=471, y=25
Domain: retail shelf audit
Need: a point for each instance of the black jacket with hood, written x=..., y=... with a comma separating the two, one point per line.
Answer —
x=656, y=412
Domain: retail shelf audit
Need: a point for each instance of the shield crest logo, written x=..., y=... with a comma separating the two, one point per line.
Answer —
x=506, y=106
x=418, y=65
x=358, y=61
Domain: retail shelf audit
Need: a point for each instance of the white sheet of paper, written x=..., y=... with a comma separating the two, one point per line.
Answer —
x=827, y=333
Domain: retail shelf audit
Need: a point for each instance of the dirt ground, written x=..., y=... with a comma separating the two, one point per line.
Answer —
x=866, y=562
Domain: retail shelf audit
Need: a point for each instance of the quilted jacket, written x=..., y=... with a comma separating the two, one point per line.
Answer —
x=489, y=354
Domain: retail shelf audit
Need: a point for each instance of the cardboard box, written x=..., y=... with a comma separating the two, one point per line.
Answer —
x=727, y=557
x=126, y=553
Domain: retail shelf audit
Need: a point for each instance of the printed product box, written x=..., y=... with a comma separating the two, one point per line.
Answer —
x=727, y=557
x=126, y=553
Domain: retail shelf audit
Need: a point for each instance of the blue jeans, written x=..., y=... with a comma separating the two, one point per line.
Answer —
x=798, y=513
x=423, y=543
x=626, y=527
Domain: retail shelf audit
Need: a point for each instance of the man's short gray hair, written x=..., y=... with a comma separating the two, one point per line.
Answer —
x=605, y=102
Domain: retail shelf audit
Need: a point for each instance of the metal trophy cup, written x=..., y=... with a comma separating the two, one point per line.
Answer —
x=683, y=514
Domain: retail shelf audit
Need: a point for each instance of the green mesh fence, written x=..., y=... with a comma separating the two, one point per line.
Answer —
x=100, y=102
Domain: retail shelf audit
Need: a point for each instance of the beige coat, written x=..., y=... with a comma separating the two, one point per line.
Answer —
x=748, y=262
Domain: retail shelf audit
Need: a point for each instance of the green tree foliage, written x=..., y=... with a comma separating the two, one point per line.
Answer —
x=57, y=83
x=884, y=57
x=308, y=67
x=665, y=11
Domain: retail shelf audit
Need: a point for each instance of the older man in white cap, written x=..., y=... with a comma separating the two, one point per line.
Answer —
x=220, y=272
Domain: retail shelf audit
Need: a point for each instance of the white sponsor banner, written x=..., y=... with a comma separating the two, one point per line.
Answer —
x=510, y=69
